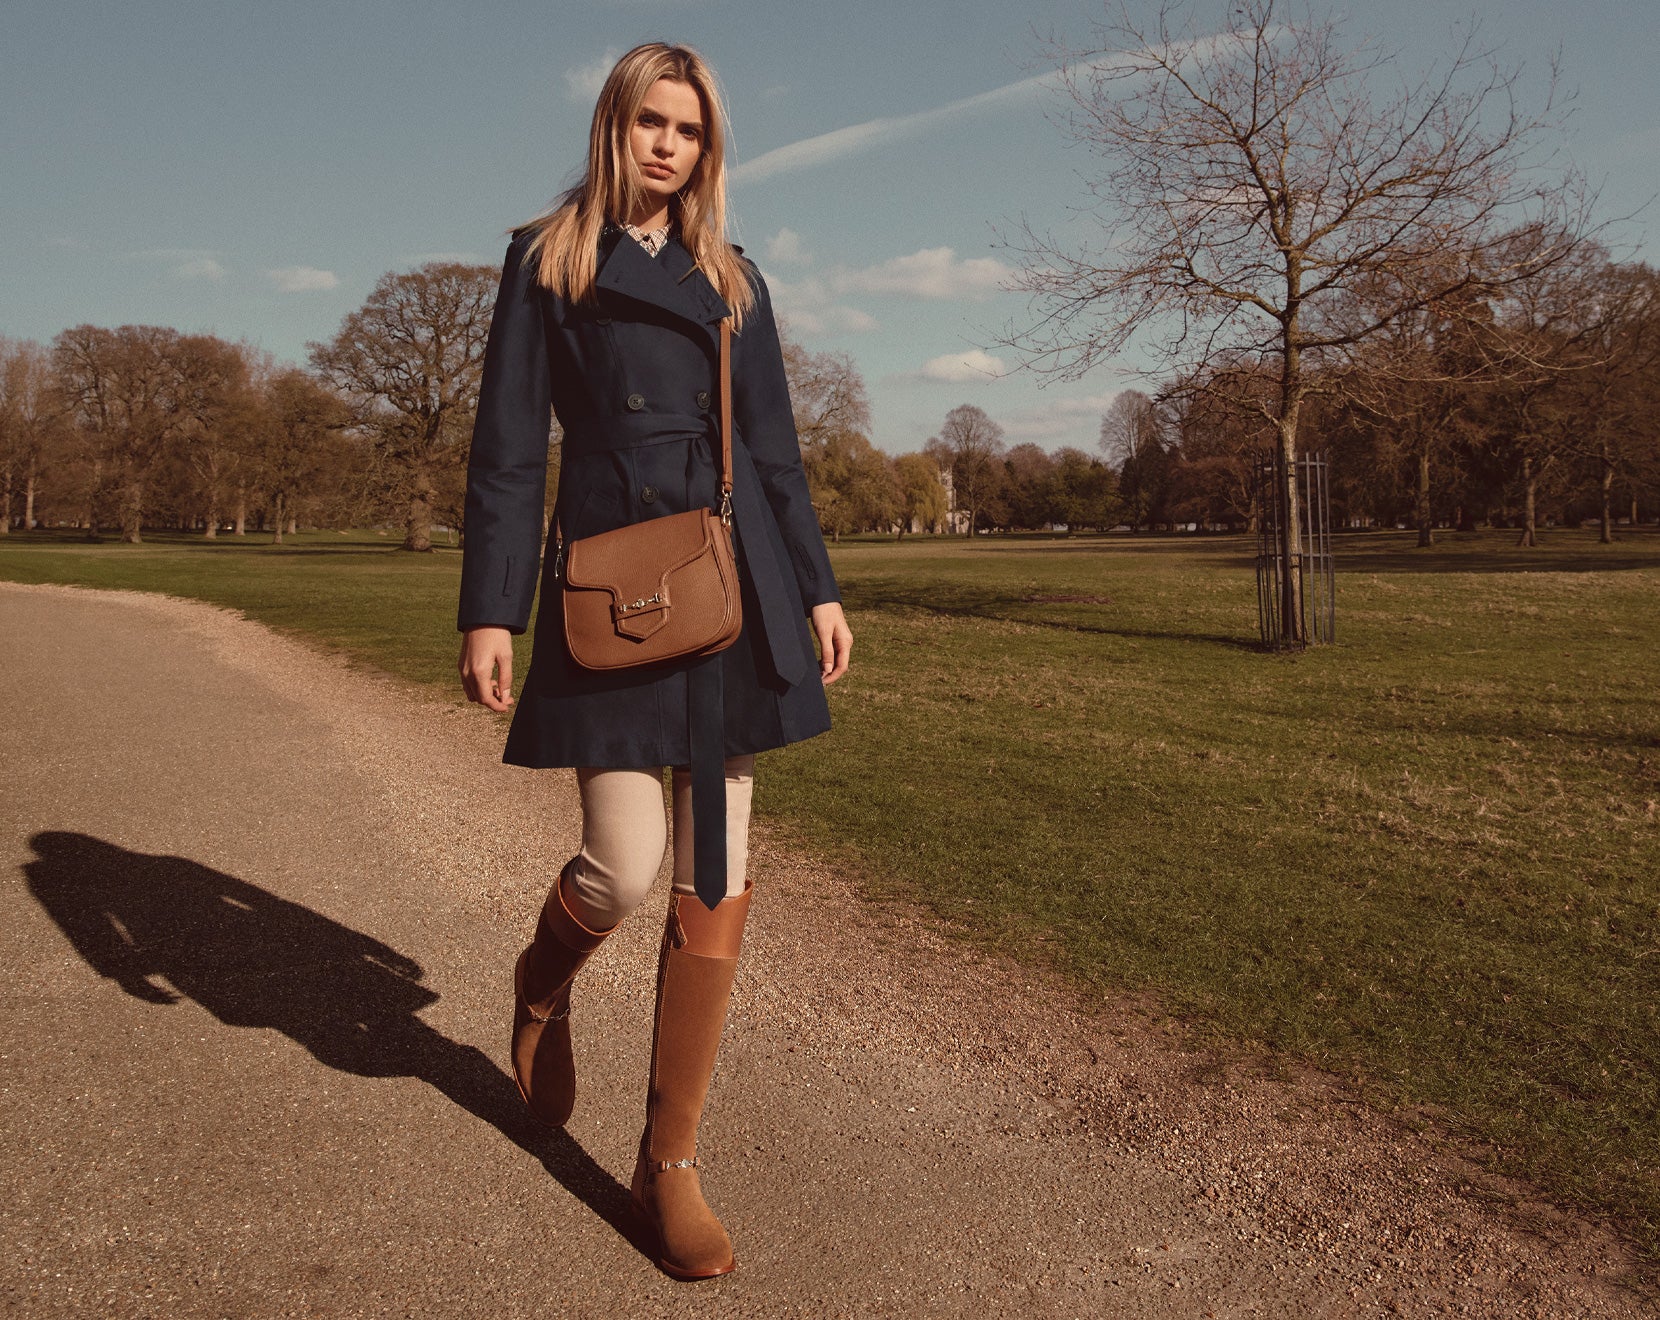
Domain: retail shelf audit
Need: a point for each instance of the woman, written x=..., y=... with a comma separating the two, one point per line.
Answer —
x=609, y=312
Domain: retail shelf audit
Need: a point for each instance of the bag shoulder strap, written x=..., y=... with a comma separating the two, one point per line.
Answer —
x=726, y=419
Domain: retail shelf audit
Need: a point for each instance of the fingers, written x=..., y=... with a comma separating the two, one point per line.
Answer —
x=486, y=667
x=835, y=643
x=842, y=651
x=504, y=683
x=835, y=640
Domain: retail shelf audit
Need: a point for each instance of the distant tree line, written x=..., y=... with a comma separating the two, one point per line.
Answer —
x=966, y=477
x=139, y=427
x=1541, y=404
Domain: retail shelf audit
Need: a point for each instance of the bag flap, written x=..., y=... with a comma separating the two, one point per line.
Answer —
x=631, y=562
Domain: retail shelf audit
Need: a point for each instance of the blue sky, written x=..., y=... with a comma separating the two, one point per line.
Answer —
x=252, y=169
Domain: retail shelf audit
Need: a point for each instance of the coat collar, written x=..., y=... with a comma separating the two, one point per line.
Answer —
x=670, y=280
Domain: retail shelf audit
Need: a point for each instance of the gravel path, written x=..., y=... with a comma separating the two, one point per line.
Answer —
x=259, y=913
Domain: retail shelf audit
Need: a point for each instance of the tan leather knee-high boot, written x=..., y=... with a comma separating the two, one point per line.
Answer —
x=542, y=1062
x=694, y=982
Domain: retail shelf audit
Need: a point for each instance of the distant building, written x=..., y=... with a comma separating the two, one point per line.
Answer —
x=956, y=520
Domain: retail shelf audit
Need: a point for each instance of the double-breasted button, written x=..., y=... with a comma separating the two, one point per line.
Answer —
x=648, y=495
x=703, y=398
x=636, y=402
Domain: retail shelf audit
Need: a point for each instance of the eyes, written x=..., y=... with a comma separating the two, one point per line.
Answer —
x=692, y=133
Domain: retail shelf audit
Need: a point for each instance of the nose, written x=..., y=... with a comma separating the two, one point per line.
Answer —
x=663, y=143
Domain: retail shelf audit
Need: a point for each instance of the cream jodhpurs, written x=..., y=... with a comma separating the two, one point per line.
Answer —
x=625, y=834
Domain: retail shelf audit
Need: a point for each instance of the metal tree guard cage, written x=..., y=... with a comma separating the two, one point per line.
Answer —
x=1314, y=575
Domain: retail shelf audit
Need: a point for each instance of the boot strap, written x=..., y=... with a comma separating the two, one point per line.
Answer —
x=529, y=1007
x=661, y=1166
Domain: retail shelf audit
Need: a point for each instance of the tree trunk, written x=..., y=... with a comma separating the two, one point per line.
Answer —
x=29, y=498
x=1530, y=502
x=1607, y=537
x=418, y=535
x=1292, y=631
x=278, y=521
x=1426, y=523
x=241, y=510
x=6, y=502
x=211, y=531
x=293, y=524
x=132, y=514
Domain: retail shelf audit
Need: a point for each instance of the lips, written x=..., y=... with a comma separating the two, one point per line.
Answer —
x=658, y=171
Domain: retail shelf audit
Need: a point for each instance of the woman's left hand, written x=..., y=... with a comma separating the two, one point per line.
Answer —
x=835, y=640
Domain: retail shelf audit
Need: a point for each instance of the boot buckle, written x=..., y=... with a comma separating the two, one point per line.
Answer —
x=664, y=1165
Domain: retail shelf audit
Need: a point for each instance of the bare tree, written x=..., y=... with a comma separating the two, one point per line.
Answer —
x=1551, y=334
x=30, y=425
x=216, y=395
x=1251, y=177
x=827, y=393
x=1132, y=440
x=301, y=421
x=971, y=445
x=410, y=361
x=1218, y=418
x=1413, y=385
x=127, y=390
x=1617, y=422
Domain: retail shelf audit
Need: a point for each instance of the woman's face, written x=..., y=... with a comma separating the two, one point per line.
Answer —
x=666, y=139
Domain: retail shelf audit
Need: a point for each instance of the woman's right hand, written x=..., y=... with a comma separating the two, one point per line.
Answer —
x=486, y=666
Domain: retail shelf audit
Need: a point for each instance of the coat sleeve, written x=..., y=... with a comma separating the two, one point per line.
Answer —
x=761, y=408
x=507, y=464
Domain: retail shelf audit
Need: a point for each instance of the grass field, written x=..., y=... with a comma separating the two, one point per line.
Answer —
x=1426, y=857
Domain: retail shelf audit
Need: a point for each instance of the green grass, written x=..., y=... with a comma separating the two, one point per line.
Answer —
x=1426, y=857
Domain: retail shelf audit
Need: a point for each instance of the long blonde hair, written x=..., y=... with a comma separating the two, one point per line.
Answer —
x=565, y=245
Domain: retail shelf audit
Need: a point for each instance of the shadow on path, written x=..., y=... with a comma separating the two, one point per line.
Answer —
x=253, y=959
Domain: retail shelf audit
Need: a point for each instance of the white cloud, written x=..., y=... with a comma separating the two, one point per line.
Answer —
x=199, y=268
x=817, y=304
x=1073, y=421
x=786, y=248
x=183, y=263
x=810, y=308
x=973, y=364
x=584, y=82
x=303, y=279
x=930, y=273
x=843, y=142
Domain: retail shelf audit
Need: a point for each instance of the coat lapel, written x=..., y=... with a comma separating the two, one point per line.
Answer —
x=669, y=280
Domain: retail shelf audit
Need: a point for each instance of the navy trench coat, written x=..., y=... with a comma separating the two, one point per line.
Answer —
x=633, y=378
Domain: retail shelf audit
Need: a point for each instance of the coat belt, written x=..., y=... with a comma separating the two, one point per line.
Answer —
x=598, y=435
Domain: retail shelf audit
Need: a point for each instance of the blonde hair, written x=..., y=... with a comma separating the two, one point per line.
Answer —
x=565, y=242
